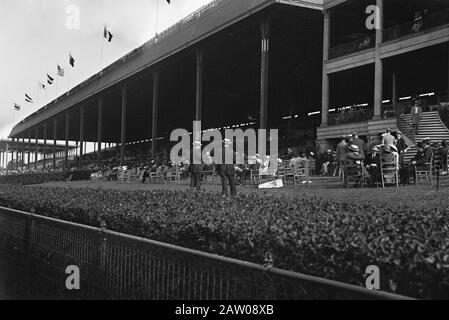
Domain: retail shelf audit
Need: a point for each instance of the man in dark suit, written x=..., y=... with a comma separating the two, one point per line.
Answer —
x=423, y=156
x=196, y=167
x=226, y=170
x=360, y=143
x=443, y=152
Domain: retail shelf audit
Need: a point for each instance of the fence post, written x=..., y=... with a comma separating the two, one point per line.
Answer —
x=103, y=259
x=29, y=226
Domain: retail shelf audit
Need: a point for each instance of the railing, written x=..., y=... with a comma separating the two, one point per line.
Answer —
x=350, y=116
x=429, y=22
x=361, y=44
x=118, y=266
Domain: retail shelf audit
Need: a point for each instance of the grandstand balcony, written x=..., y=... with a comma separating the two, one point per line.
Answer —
x=350, y=36
x=382, y=69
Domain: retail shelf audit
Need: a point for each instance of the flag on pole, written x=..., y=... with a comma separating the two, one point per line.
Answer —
x=60, y=71
x=41, y=86
x=71, y=61
x=28, y=98
x=107, y=34
x=50, y=79
x=16, y=107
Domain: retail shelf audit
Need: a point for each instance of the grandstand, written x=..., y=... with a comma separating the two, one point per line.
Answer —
x=232, y=63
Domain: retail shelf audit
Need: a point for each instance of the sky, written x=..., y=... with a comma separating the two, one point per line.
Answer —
x=37, y=35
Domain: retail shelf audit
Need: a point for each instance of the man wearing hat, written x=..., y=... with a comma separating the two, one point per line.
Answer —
x=360, y=143
x=342, y=149
x=422, y=157
x=196, y=167
x=226, y=170
x=372, y=163
x=353, y=154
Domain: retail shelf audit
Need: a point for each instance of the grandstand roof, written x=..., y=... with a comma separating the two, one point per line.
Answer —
x=19, y=146
x=200, y=25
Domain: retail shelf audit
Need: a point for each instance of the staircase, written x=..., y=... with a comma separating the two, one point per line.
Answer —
x=430, y=126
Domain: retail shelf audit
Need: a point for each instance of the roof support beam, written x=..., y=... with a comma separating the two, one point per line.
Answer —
x=45, y=146
x=36, y=149
x=265, y=50
x=123, y=127
x=199, y=84
x=81, y=135
x=67, y=132
x=55, y=133
x=100, y=130
x=155, y=112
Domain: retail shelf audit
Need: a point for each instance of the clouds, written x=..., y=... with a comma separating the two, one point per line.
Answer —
x=35, y=39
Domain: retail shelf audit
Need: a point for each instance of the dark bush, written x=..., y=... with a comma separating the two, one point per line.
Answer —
x=313, y=236
x=43, y=177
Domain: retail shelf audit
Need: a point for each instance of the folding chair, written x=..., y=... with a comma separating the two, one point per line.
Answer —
x=354, y=172
x=389, y=170
x=424, y=171
x=267, y=174
x=299, y=175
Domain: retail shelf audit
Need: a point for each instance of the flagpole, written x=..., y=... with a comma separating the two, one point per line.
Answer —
x=157, y=15
x=56, y=80
x=68, y=79
x=102, y=45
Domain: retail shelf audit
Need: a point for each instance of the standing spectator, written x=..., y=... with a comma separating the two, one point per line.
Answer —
x=416, y=113
x=442, y=151
x=388, y=139
x=196, y=167
x=360, y=143
x=227, y=170
x=402, y=148
x=341, y=155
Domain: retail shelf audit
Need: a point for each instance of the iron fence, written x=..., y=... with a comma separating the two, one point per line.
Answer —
x=118, y=266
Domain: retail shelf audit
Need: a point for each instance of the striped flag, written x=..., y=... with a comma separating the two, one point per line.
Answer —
x=60, y=71
x=71, y=61
x=50, y=79
x=28, y=98
x=107, y=34
x=16, y=107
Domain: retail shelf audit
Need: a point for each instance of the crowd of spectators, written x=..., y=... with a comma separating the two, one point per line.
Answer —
x=390, y=148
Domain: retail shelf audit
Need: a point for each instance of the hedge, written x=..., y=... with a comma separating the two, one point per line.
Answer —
x=43, y=177
x=313, y=236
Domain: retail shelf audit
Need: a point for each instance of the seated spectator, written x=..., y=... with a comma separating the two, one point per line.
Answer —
x=417, y=22
x=443, y=152
x=353, y=155
x=422, y=157
x=372, y=163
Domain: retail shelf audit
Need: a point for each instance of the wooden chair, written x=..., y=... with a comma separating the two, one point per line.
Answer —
x=426, y=171
x=389, y=171
x=267, y=174
x=286, y=173
x=354, y=172
x=299, y=175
